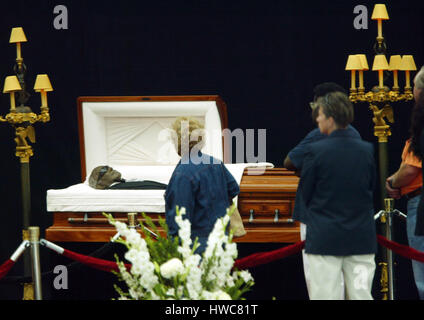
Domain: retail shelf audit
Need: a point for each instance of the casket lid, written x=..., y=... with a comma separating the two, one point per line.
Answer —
x=131, y=130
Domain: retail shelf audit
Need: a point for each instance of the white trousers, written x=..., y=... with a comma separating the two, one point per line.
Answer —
x=341, y=294
x=325, y=273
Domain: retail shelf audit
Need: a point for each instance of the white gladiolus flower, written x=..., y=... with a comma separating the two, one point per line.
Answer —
x=213, y=270
x=221, y=295
x=133, y=293
x=155, y=296
x=182, y=211
x=131, y=255
x=133, y=237
x=120, y=226
x=206, y=295
x=171, y=268
x=246, y=276
x=185, y=251
x=230, y=282
x=170, y=292
x=136, y=269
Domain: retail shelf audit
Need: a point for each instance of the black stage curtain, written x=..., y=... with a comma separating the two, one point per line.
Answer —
x=262, y=57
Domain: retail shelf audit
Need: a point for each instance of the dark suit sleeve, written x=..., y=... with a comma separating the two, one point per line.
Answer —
x=180, y=193
x=308, y=177
x=298, y=153
x=373, y=169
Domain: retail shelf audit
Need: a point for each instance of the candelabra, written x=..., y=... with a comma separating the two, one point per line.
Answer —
x=22, y=119
x=379, y=99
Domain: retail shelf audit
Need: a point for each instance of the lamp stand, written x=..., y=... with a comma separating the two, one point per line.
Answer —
x=22, y=118
x=379, y=99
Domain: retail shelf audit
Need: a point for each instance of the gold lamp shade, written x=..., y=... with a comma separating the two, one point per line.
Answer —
x=17, y=35
x=380, y=63
x=42, y=83
x=363, y=61
x=380, y=12
x=395, y=62
x=11, y=84
x=353, y=63
x=407, y=63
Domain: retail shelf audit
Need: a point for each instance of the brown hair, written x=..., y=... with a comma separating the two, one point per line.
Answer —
x=338, y=106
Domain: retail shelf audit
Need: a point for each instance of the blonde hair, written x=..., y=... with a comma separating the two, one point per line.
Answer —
x=188, y=129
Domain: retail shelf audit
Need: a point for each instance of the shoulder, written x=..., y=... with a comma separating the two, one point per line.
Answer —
x=354, y=142
x=368, y=146
x=183, y=172
x=314, y=135
x=353, y=131
x=341, y=143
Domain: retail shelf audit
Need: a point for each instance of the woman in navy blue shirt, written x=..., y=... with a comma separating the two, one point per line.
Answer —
x=200, y=183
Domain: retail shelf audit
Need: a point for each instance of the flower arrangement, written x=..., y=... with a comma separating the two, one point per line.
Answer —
x=168, y=268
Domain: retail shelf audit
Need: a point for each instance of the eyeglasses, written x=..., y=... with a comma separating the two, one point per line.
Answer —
x=313, y=105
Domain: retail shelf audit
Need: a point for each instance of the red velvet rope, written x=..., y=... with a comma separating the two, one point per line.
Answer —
x=246, y=262
x=250, y=261
x=5, y=267
x=96, y=263
x=259, y=258
x=400, y=249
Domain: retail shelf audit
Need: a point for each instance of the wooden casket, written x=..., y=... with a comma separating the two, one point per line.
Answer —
x=131, y=135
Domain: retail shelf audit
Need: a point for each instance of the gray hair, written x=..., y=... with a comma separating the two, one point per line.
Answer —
x=338, y=106
x=419, y=79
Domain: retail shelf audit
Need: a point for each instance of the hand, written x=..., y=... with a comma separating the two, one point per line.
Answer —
x=392, y=192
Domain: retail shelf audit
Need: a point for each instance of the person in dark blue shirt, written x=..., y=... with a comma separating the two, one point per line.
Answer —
x=337, y=185
x=200, y=183
x=294, y=160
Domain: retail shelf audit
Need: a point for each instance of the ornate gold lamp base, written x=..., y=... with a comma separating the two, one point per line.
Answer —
x=384, y=281
x=24, y=153
x=28, y=291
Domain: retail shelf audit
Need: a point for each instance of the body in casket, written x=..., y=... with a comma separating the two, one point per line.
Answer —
x=130, y=134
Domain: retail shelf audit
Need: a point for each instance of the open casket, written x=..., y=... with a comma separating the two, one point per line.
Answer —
x=131, y=135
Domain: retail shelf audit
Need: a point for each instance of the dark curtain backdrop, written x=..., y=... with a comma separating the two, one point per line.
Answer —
x=262, y=57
